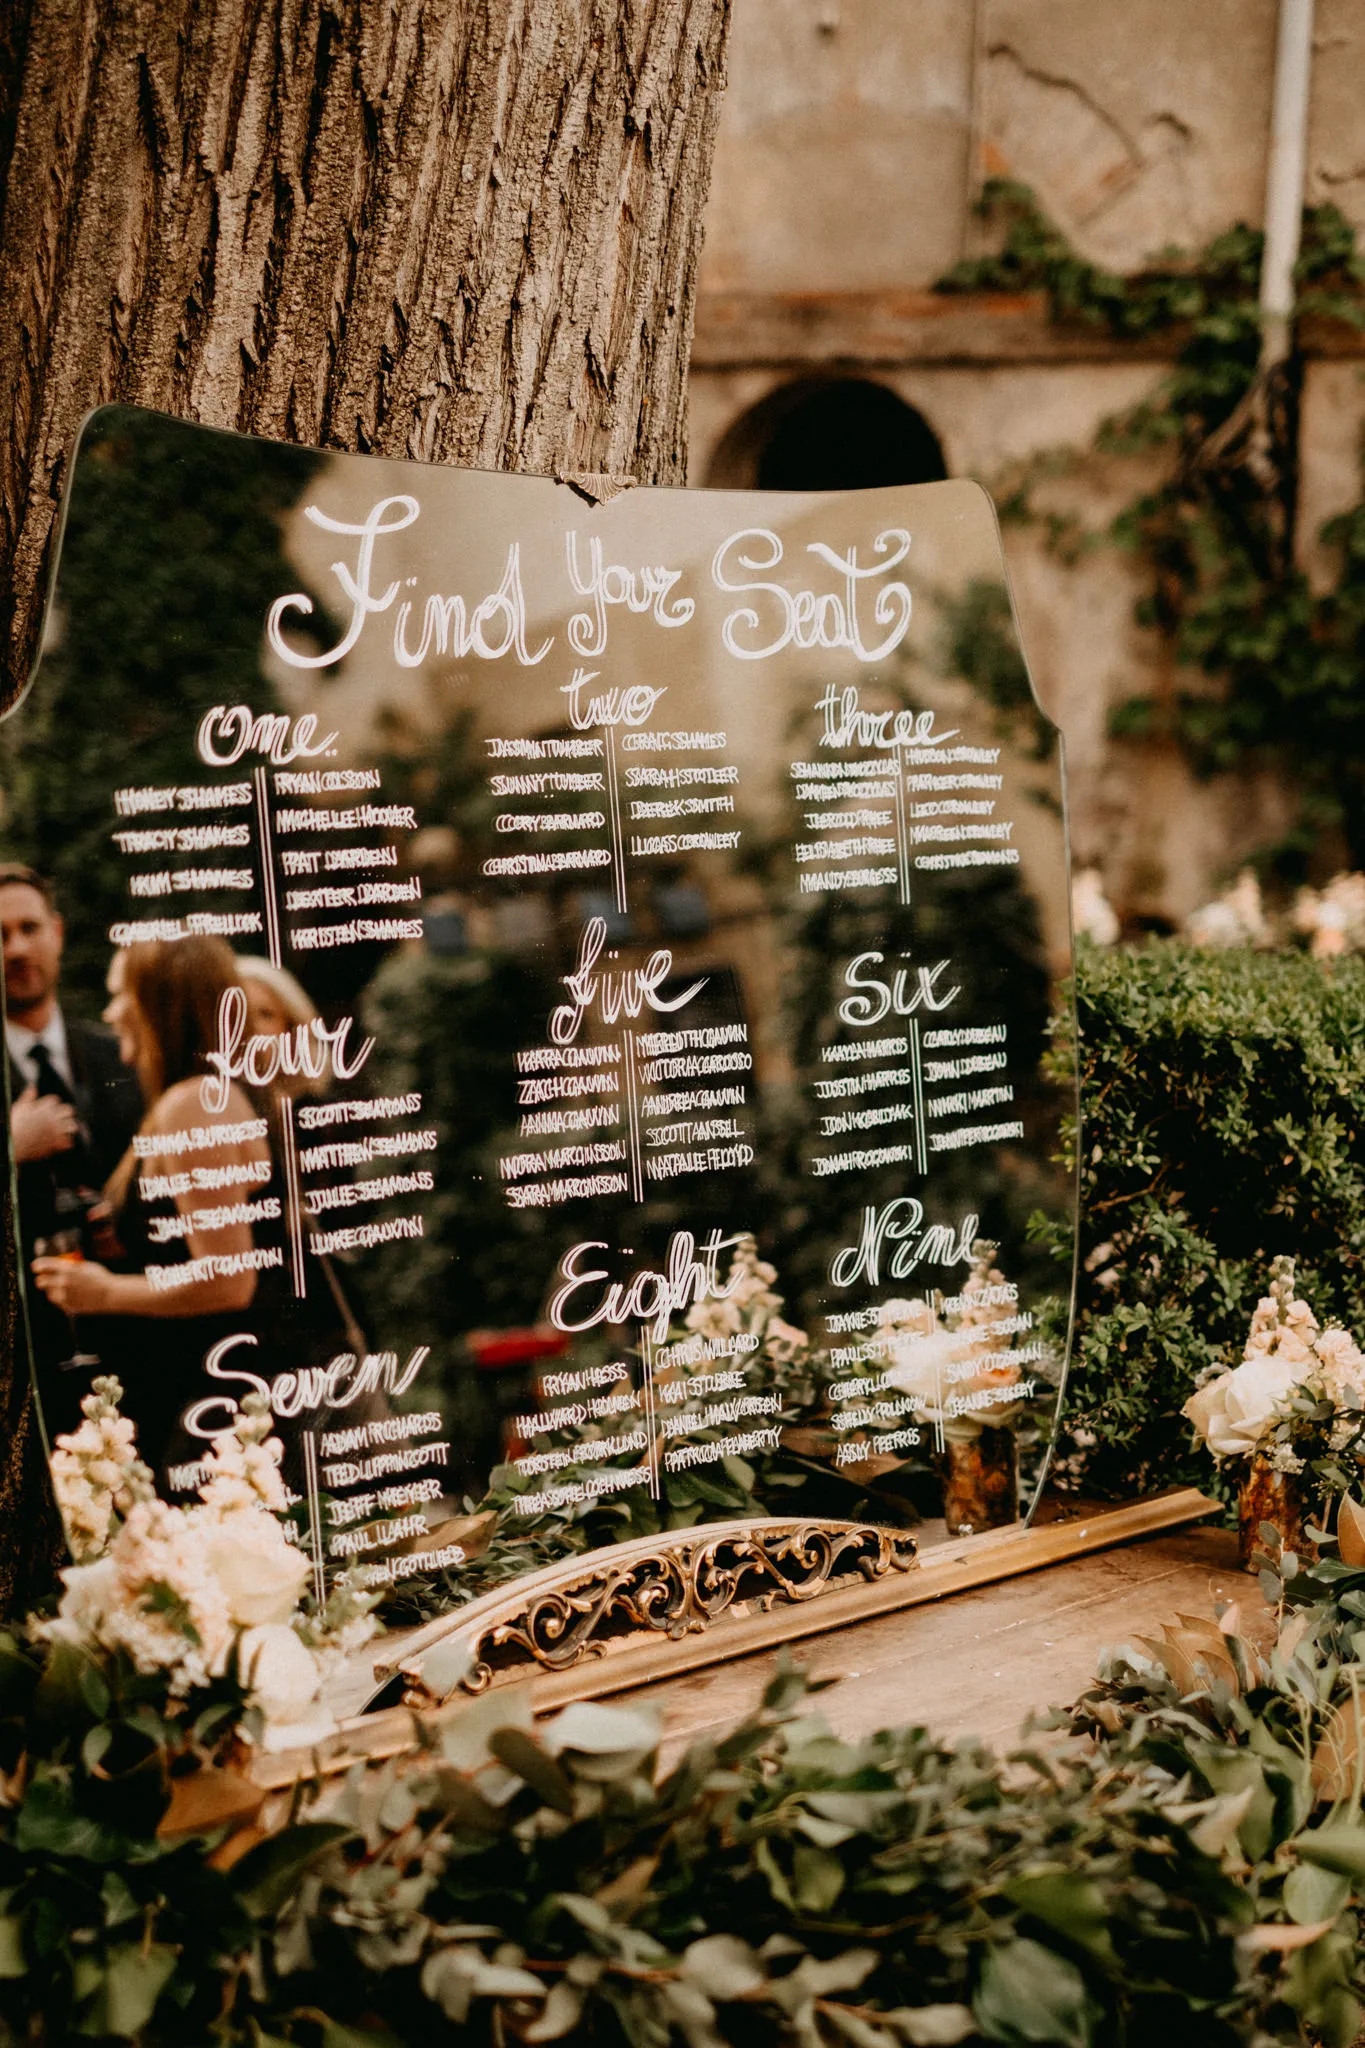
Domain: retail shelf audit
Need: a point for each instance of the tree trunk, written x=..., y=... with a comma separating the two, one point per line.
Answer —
x=455, y=230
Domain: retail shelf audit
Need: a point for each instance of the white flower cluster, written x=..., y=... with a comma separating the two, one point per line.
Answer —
x=96, y=1473
x=749, y=1306
x=1333, y=919
x=1286, y=1350
x=1236, y=918
x=187, y=1590
x=1092, y=914
x=952, y=1365
x=245, y=1464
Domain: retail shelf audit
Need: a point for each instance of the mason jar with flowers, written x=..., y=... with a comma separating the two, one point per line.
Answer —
x=1290, y=1418
x=967, y=1374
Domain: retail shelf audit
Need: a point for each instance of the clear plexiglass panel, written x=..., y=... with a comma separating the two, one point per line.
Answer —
x=577, y=983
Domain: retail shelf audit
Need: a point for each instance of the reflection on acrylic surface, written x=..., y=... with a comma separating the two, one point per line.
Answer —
x=576, y=984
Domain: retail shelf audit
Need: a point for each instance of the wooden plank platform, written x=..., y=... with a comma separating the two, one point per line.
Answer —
x=978, y=1662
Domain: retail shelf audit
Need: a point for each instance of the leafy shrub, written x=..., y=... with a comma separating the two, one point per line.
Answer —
x=1267, y=666
x=1223, y=1122
x=1169, y=1885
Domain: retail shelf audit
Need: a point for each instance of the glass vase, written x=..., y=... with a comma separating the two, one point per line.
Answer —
x=1279, y=1498
x=981, y=1481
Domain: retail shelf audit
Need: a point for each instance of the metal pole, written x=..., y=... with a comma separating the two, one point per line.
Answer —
x=1285, y=176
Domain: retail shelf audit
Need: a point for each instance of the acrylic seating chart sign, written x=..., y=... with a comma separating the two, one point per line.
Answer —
x=577, y=982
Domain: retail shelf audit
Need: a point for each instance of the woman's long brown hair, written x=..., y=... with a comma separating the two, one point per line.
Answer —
x=177, y=985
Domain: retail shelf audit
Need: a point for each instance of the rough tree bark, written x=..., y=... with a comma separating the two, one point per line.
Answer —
x=456, y=230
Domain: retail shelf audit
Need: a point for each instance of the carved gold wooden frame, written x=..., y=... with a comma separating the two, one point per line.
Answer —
x=653, y=1609
x=670, y=1586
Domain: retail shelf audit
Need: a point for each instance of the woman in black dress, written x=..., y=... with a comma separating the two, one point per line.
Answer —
x=195, y=1210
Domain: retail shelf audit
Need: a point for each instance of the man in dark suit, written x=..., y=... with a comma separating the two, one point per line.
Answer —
x=74, y=1108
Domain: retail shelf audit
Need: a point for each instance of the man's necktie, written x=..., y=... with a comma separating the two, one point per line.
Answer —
x=46, y=1077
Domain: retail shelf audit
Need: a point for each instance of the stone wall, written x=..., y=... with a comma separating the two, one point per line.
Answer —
x=854, y=140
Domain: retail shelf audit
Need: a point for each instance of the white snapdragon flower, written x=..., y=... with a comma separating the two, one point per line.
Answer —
x=917, y=1318
x=921, y=1365
x=97, y=1475
x=783, y=1342
x=244, y=1463
x=1341, y=1365
x=1092, y=914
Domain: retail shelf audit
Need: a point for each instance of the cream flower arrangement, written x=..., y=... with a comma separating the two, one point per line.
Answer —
x=964, y=1368
x=1297, y=1397
x=204, y=1594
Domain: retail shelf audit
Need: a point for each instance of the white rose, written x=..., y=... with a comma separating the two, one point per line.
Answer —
x=1233, y=1412
x=261, y=1574
x=921, y=1366
x=279, y=1670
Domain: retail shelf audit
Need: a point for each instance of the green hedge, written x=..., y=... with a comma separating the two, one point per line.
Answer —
x=1223, y=1121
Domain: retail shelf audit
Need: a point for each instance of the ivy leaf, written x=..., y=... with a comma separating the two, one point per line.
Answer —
x=18, y=1677
x=72, y=1687
x=127, y=1990
x=13, y=1961
x=51, y=1822
x=1029, y=1993
x=268, y=1874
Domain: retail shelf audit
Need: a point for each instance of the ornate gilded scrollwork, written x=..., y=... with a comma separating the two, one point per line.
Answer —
x=669, y=1586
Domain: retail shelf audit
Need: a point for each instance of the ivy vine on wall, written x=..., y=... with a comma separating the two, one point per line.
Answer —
x=1267, y=668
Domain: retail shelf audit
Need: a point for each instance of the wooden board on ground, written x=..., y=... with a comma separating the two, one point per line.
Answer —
x=980, y=1661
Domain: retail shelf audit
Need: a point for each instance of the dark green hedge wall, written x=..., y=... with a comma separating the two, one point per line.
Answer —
x=1223, y=1121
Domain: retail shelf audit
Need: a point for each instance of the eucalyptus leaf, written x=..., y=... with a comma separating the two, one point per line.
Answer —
x=1069, y=1902
x=1313, y=1894
x=445, y=1665
x=1030, y=1993
x=467, y=1724
x=1337, y=1847
x=521, y=1753
x=817, y=1878
x=723, y=1966
x=932, y=2026
x=601, y=1730
x=267, y=1875
x=561, y=2013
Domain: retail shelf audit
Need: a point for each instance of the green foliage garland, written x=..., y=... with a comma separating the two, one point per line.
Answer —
x=1184, y=1872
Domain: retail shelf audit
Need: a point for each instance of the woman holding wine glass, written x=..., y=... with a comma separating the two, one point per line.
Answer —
x=191, y=1201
